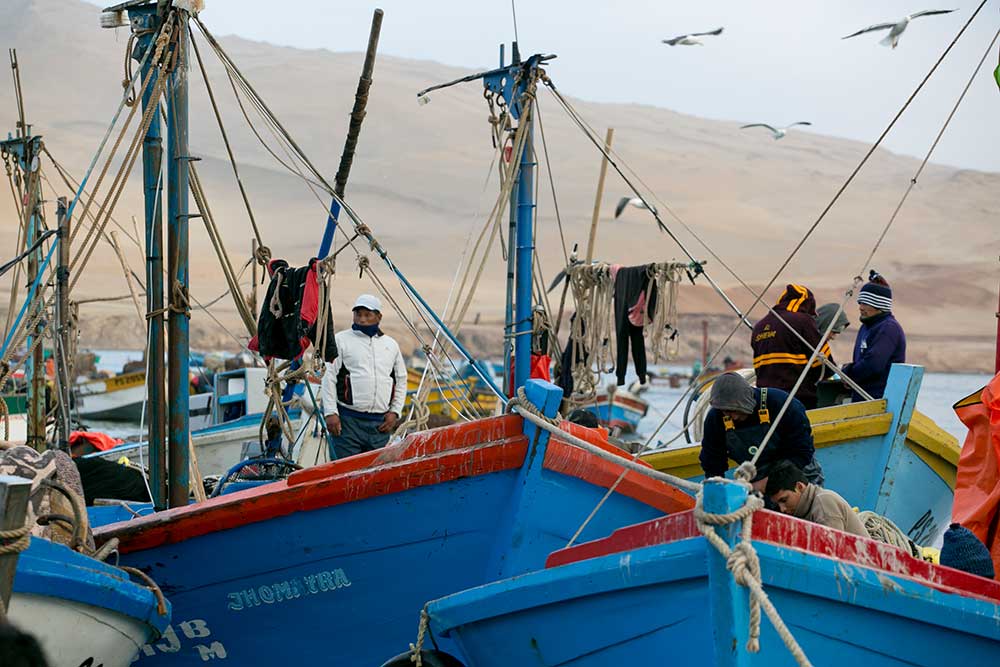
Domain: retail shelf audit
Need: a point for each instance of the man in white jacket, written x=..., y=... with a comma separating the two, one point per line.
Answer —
x=365, y=387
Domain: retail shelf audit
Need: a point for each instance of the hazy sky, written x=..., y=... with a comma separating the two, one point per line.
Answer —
x=778, y=61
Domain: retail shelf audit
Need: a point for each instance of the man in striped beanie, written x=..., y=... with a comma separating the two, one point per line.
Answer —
x=880, y=342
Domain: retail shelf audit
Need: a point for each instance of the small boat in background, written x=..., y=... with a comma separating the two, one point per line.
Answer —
x=118, y=398
x=83, y=611
x=620, y=411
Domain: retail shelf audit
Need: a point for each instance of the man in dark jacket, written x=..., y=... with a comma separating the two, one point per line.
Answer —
x=779, y=356
x=738, y=421
x=880, y=342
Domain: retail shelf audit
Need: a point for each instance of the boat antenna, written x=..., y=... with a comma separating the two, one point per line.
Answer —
x=513, y=13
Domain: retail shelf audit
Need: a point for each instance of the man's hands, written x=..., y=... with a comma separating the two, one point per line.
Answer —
x=333, y=424
x=388, y=422
x=387, y=426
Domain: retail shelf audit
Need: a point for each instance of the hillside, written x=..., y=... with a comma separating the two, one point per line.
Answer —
x=419, y=176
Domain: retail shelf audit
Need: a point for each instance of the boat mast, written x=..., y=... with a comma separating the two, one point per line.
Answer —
x=146, y=21
x=27, y=150
x=353, y=132
x=178, y=275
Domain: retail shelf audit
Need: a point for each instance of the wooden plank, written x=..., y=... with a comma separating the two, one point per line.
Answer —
x=927, y=434
x=14, y=492
x=830, y=434
x=849, y=411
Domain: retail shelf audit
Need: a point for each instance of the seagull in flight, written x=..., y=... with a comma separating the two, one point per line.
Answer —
x=631, y=201
x=692, y=38
x=778, y=132
x=896, y=28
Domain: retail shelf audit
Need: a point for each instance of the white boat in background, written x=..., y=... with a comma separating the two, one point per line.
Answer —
x=117, y=398
x=83, y=611
x=226, y=425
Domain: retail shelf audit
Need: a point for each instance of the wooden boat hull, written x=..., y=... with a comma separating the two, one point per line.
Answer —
x=119, y=398
x=879, y=455
x=81, y=611
x=451, y=398
x=658, y=589
x=348, y=552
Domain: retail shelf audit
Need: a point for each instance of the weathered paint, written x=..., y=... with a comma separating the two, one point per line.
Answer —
x=441, y=511
x=843, y=597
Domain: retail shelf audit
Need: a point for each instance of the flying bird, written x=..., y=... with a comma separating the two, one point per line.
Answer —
x=691, y=39
x=896, y=28
x=778, y=132
x=631, y=201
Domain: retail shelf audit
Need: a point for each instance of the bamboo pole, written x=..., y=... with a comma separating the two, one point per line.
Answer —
x=600, y=195
x=128, y=278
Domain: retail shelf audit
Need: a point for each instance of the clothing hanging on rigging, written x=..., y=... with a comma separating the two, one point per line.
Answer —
x=635, y=295
x=287, y=323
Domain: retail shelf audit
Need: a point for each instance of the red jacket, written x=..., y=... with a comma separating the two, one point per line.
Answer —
x=778, y=354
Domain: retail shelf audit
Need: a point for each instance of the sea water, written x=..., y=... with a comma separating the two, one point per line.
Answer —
x=938, y=393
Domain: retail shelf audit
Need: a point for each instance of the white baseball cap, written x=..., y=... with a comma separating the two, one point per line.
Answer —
x=368, y=301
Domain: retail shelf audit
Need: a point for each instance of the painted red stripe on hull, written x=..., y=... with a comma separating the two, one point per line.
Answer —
x=797, y=534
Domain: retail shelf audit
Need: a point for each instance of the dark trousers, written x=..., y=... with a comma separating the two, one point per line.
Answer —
x=356, y=436
x=629, y=334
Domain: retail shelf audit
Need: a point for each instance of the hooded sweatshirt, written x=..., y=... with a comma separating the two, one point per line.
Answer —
x=880, y=344
x=827, y=508
x=778, y=355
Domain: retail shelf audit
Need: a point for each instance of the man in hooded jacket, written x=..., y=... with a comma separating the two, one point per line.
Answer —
x=779, y=356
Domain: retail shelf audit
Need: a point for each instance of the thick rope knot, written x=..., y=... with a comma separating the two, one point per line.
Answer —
x=746, y=471
x=522, y=403
x=15, y=540
x=263, y=255
x=363, y=264
x=179, y=300
x=744, y=563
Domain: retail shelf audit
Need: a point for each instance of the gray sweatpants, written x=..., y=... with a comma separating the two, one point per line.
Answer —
x=356, y=436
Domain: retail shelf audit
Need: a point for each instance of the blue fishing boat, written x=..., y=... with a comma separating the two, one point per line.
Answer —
x=620, y=411
x=83, y=611
x=378, y=534
x=662, y=590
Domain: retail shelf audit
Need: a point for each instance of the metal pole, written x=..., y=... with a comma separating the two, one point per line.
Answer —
x=508, y=325
x=178, y=323
x=35, y=368
x=152, y=177
x=64, y=335
x=600, y=193
x=704, y=345
x=353, y=132
x=525, y=248
x=996, y=365
x=14, y=492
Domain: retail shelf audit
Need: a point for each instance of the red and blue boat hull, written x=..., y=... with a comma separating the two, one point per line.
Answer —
x=336, y=562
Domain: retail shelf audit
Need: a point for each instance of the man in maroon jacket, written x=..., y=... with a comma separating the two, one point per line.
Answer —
x=779, y=356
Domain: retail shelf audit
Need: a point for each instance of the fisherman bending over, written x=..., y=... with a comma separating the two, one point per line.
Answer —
x=788, y=488
x=738, y=421
x=779, y=355
x=880, y=342
x=364, y=388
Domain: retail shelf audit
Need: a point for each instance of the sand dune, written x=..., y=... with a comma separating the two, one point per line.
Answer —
x=419, y=180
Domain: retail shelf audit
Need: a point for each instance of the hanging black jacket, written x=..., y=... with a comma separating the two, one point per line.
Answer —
x=289, y=313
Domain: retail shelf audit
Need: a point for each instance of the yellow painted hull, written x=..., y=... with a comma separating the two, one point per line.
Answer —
x=451, y=398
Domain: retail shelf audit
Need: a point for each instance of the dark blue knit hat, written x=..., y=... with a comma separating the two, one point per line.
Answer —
x=962, y=550
x=876, y=292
